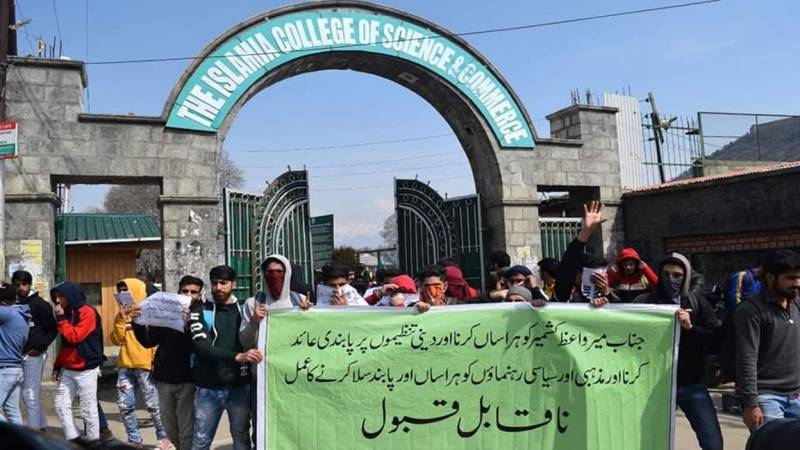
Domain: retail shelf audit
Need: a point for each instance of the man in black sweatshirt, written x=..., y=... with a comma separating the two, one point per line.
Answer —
x=699, y=327
x=41, y=334
x=222, y=367
x=768, y=344
x=173, y=371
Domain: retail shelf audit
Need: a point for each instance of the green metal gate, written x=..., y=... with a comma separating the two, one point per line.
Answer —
x=556, y=234
x=240, y=213
x=259, y=225
x=430, y=228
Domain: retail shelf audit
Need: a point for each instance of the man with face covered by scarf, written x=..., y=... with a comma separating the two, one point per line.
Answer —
x=698, y=327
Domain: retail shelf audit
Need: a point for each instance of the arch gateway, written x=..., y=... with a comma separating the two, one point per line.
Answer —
x=511, y=164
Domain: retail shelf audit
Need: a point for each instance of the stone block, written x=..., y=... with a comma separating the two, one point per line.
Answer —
x=107, y=132
x=31, y=75
x=68, y=130
x=58, y=94
x=110, y=149
x=175, y=151
x=138, y=133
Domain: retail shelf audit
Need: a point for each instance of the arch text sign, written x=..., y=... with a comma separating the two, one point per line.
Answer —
x=228, y=71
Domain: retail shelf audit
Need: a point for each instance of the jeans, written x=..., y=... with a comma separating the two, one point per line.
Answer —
x=84, y=384
x=177, y=412
x=32, y=369
x=779, y=407
x=10, y=387
x=127, y=382
x=695, y=402
x=208, y=407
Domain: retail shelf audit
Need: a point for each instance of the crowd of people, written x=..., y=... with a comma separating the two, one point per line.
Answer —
x=188, y=379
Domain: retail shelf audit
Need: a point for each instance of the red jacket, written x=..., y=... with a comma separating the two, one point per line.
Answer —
x=81, y=331
x=642, y=280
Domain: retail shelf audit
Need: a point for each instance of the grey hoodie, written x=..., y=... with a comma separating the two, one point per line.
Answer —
x=248, y=332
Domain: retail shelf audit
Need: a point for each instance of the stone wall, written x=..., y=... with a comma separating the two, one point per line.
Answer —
x=722, y=222
x=58, y=143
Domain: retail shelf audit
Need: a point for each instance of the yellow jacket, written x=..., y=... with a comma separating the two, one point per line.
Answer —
x=131, y=353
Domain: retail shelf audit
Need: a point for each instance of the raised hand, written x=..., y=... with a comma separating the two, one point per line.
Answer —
x=592, y=219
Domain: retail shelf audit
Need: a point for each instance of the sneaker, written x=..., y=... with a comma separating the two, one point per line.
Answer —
x=105, y=435
x=164, y=444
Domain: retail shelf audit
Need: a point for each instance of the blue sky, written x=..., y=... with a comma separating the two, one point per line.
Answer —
x=735, y=55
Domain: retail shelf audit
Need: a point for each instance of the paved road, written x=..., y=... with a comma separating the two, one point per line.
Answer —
x=734, y=432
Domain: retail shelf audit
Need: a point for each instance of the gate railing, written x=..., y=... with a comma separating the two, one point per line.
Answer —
x=557, y=233
x=240, y=214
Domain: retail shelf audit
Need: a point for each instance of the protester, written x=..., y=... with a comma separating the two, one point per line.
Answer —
x=297, y=284
x=134, y=368
x=400, y=290
x=336, y=278
x=743, y=284
x=548, y=268
x=519, y=275
x=172, y=370
x=385, y=279
x=42, y=333
x=767, y=328
x=699, y=327
x=631, y=277
x=457, y=286
x=13, y=334
x=222, y=366
x=575, y=260
x=277, y=273
x=499, y=261
x=434, y=289
x=77, y=366
x=518, y=294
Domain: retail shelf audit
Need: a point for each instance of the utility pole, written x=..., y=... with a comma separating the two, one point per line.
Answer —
x=6, y=35
x=658, y=135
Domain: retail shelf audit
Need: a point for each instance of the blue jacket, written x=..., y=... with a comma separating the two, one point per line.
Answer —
x=14, y=326
x=740, y=286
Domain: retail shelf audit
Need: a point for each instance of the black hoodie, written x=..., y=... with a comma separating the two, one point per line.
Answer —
x=691, y=356
x=215, y=336
x=43, y=327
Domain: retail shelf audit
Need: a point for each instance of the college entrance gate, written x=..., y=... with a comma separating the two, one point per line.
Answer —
x=429, y=228
x=178, y=150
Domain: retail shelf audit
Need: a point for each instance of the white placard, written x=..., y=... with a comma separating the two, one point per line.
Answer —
x=324, y=294
x=164, y=309
x=124, y=298
x=588, y=288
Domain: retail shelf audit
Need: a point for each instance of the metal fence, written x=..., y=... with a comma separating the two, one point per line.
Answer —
x=749, y=137
x=672, y=148
x=557, y=233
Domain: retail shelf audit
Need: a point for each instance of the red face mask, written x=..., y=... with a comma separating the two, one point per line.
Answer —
x=275, y=284
x=436, y=294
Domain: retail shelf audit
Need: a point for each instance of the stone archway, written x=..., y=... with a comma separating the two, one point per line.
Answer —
x=460, y=83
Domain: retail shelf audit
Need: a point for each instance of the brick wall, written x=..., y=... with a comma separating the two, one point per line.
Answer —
x=732, y=242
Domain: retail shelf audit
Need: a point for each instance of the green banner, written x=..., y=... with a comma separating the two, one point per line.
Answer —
x=503, y=376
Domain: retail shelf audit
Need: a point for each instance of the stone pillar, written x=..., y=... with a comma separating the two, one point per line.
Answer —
x=191, y=235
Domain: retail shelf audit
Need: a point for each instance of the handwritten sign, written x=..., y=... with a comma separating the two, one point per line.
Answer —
x=163, y=309
x=470, y=376
x=124, y=298
x=588, y=288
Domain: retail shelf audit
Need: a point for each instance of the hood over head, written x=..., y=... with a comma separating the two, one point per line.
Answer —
x=457, y=286
x=522, y=291
x=680, y=260
x=405, y=284
x=137, y=288
x=628, y=253
x=287, y=277
x=72, y=291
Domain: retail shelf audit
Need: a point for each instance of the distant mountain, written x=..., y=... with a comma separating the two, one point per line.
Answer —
x=777, y=141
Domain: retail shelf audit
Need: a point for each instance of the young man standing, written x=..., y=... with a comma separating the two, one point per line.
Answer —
x=77, y=366
x=172, y=370
x=222, y=367
x=13, y=334
x=42, y=333
x=768, y=344
x=134, y=369
x=698, y=329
